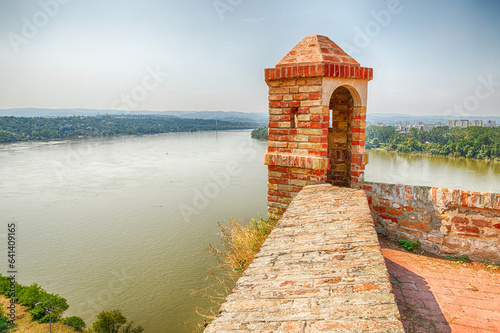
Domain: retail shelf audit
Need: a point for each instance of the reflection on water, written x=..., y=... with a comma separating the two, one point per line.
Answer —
x=449, y=172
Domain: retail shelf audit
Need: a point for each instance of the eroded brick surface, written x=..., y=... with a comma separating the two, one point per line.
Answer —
x=444, y=221
x=317, y=120
x=320, y=270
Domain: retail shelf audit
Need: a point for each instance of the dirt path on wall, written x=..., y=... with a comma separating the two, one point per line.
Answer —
x=434, y=294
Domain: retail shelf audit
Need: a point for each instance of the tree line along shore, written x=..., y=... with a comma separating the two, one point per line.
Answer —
x=14, y=129
x=471, y=142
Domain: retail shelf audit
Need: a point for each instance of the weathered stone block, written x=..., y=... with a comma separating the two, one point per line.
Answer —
x=320, y=268
x=310, y=89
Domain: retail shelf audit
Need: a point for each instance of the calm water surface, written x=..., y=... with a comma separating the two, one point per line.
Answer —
x=448, y=172
x=119, y=223
x=123, y=222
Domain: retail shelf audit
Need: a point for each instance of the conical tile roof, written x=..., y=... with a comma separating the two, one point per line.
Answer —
x=317, y=50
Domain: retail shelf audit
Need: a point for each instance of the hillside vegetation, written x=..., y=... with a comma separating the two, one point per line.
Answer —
x=260, y=133
x=24, y=129
x=471, y=142
x=25, y=324
x=27, y=309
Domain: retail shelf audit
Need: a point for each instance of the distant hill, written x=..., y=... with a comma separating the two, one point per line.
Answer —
x=225, y=115
x=260, y=118
x=392, y=118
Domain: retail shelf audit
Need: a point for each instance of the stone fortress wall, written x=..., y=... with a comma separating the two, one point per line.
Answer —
x=321, y=269
x=317, y=113
x=444, y=221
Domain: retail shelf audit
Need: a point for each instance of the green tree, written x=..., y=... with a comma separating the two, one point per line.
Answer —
x=4, y=285
x=39, y=128
x=383, y=133
x=398, y=139
x=471, y=153
x=4, y=320
x=6, y=136
x=114, y=322
x=437, y=135
x=413, y=144
x=75, y=322
x=260, y=133
x=30, y=296
x=371, y=133
x=413, y=133
x=386, y=133
x=471, y=142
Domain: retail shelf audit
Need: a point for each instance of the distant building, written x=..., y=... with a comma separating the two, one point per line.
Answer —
x=476, y=123
x=403, y=126
x=491, y=123
x=451, y=123
x=463, y=123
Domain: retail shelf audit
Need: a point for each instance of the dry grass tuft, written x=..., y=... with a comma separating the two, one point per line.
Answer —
x=239, y=245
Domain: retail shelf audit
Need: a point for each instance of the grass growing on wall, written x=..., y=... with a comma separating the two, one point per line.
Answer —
x=240, y=243
x=238, y=246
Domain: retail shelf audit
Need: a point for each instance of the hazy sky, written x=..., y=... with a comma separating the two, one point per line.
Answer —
x=429, y=56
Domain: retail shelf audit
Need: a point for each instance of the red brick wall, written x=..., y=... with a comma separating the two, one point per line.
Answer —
x=319, y=70
x=444, y=221
x=299, y=138
x=298, y=146
x=297, y=142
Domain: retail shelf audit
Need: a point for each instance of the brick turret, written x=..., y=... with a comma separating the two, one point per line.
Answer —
x=317, y=112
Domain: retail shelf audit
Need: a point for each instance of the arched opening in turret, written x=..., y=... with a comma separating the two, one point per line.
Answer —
x=340, y=137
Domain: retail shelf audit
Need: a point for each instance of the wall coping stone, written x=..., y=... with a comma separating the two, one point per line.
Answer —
x=320, y=270
x=296, y=161
x=444, y=221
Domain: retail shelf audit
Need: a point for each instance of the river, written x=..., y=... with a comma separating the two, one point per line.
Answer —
x=123, y=222
x=440, y=171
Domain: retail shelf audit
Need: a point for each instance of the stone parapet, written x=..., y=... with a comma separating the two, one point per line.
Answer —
x=444, y=221
x=320, y=270
x=296, y=161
